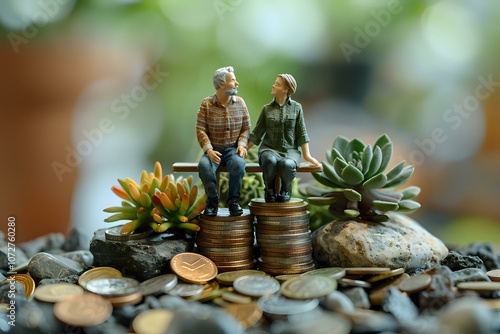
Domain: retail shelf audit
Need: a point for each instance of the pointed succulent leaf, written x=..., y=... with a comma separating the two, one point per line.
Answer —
x=352, y=175
x=375, y=182
x=379, y=218
x=352, y=195
x=382, y=141
x=386, y=156
x=324, y=180
x=374, y=163
x=366, y=157
x=354, y=148
x=351, y=213
x=339, y=166
x=340, y=144
x=410, y=192
x=408, y=205
x=401, y=178
x=385, y=206
x=332, y=175
x=336, y=154
x=321, y=200
x=329, y=158
x=395, y=171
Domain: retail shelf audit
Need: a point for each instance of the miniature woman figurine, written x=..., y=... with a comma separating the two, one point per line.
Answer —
x=280, y=131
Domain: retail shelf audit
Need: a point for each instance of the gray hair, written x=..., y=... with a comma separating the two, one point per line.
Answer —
x=220, y=75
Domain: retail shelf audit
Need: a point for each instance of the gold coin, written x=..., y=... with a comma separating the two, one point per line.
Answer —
x=154, y=321
x=479, y=286
x=235, y=297
x=210, y=291
x=366, y=270
x=415, y=283
x=219, y=235
x=115, y=235
x=277, y=212
x=193, y=267
x=332, y=272
x=26, y=280
x=494, y=275
x=225, y=268
x=99, y=272
x=287, y=220
x=294, y=202
x=383, y=276
x=247, y=314
x=128, y=299
x=227, y=229
x=224, y=250
x=52, y=293
x=307, y=287
x=283, y=278
x=377, y=294
x=286, y=252
x=83, y=310
x=287, y=260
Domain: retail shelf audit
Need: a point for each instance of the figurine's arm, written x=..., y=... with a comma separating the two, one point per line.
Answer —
x=307, y=155
x=259, y=130
x=202, y=128
x=241, y=150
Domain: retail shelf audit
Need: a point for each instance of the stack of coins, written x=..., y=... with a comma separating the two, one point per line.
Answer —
x=227, y=240
x=283, y=235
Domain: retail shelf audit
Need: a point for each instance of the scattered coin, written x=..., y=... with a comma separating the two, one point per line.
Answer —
x=347, y=282
x=256, y=286
x=128, y=299
x=210, y=291
x=193, y=267
x=377, y=294
x=115, y=235
x=366, y=271
x=283, y=278
x=386, y=275
x=494, y=275
x=236, y=298
x=307, y=287
x=230, y=276
x=26, y=280
x=332, y=272
x=247, y=314
x=154, y=321
x=277, y=305
x=52, y=293
x=99, y=272
x=158, y=284
x=479, y=286
x=186, y=289
x=113, y=287
x=83, y=310
x=415, y=283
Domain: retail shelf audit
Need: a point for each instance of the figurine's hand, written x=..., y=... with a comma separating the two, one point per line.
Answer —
x=241, y=151
x=214, y=156
x=312, y=161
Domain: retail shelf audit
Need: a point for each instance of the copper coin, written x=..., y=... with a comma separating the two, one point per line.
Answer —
x=494, y=275
x=83, y=310
x=366, y=270
x=227, y=229
x=154, y=321
x=122, y=300
x=222, y=235
x=99, y=272
x=210, y=291
x=479, y=286
x=286, y=260
x=247, y=314
x=286, y=251
x=26, y=280
x=287, y=220
x=241, y=249
x=294, y=202
x=380, y=277
x=224, y=268
x=193, y=267
x=415, y=283
x=52, y=293
x=223, y=215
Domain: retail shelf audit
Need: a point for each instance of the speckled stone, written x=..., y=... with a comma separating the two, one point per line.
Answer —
x=141, y=259
x=49, y=266
x=400, y=242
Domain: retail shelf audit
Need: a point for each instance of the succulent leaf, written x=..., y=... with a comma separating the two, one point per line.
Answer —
x=395, y=171
x=401, y=178
x=410, y=192
x=352, y=195
x=385, y=206
x=377, y=181
x=331, y=173
x=352, y=175
x=351, y=213
x=382, y=140
x=408, y=205
x=375, y=162
x=340, y=144
x=325, y=180
x=386, y=157
x=354, y=148
x=321, y=200
x=366, y=158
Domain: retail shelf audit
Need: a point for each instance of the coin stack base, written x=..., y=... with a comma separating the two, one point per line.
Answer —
x=227, y=240
x=283, y=235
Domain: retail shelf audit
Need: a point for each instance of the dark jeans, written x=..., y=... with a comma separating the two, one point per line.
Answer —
x=207, y=172
x=275, y=165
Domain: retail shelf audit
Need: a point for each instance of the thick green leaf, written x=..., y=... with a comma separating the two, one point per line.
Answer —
x=408, y=206
x=351, y=213
x=374, y=163
x=340, y=144
x=410, y=192
x=354, y=148
x=352, y=195
x=401, y=178
x=352, y=175
x=377, y=181
x=366, y=158
x=385, y=206
x=322, y=178
x=339, y=166
x=321, y=200
x=386, y=157
x=336, y=154
x=382, y=141
x=394, y=172
x=332, y=175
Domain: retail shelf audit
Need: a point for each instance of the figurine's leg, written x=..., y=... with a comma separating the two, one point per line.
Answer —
x=268, y=161
x=207, y=173
x=287, y=169
x=236, y=168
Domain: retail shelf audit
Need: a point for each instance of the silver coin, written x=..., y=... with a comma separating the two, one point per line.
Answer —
x=186, y=289
x=117, y=286
x=115, y=235
x=256, y=286
x=278, y=305
x=158, y=284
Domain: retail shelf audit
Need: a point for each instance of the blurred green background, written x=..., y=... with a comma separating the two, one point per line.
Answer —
x=92, y=91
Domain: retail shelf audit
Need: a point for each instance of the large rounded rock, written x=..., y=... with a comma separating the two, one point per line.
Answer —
x=400, y=242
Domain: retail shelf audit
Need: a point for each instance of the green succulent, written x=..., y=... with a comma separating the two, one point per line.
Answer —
x=361, y=189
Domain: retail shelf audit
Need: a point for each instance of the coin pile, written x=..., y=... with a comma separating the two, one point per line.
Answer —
x=283, y=235
x=227, y=240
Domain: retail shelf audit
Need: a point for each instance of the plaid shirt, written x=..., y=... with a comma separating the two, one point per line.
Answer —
x=283, y=129
x=221, y=127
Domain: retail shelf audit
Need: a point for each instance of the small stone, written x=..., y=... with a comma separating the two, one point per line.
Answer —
x=338, y=302
x=172, y=302
x=485, y=251
x=469, y=275
x=440, y=292
x=359, y=297
x=456, y=261
x=399, y=305
x=152, y=302
x=208, y=320
x=72, y=279
x=467, y=315
x=400, y=242
x=84, y=257
x=45, y=265
x=141, y=259
x=43, y=244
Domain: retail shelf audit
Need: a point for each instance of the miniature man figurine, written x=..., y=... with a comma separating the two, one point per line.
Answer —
x=280, y=131
x=222, y=129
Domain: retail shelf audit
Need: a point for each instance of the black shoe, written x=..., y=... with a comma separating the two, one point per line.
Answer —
x=284, y=196
x=211, y=209
x=234, y=207
x=270, y=196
